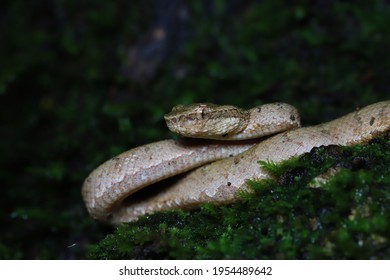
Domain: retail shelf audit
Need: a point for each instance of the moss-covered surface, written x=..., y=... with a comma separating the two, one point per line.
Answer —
x=346, y=218
x=71, y=98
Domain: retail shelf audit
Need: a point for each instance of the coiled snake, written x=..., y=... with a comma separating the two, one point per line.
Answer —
x=115, y=191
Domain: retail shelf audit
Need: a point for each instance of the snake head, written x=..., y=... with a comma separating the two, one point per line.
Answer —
x=206, y=120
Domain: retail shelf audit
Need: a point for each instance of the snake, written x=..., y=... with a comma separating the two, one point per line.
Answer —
x=218, y=155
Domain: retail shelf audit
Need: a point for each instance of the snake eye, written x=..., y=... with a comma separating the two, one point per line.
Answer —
x=201, y=111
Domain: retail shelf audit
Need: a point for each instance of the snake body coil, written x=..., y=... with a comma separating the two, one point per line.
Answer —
x=112, y=192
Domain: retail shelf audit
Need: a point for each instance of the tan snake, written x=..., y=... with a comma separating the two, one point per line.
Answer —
x=112, y=192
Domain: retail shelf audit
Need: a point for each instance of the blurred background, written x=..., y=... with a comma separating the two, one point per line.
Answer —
x=81, y=81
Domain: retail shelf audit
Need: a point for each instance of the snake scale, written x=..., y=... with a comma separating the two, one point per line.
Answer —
x=132, y=184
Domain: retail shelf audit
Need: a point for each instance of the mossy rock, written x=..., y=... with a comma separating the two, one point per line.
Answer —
x=345, y=218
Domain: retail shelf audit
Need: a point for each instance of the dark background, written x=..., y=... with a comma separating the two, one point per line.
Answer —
x=83, y=81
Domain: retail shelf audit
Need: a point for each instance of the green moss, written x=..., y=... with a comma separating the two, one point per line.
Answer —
x=346, y=218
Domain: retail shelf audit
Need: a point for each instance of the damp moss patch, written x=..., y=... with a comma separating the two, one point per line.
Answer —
x=345, y=218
